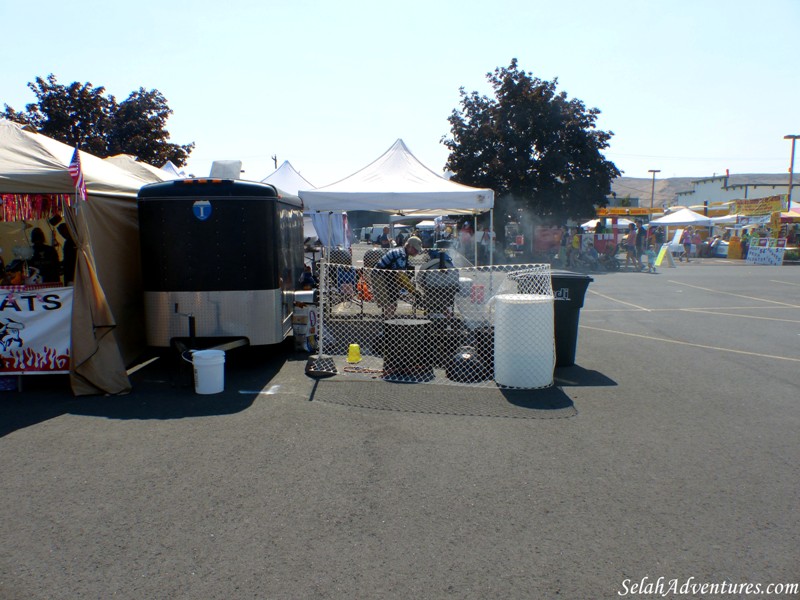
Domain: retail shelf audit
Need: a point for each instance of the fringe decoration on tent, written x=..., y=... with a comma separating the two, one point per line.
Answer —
x=31, y=207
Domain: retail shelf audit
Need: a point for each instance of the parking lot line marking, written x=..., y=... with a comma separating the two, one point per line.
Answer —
x=620, y=301
x=270, y=392
x=784, y=282
x=683, y=308
x=655, y=339
x=697, y=287
x=716, y=312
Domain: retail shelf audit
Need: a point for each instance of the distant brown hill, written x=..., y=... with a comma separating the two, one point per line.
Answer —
x=666, y=189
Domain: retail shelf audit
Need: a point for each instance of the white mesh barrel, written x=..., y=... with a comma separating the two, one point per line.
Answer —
x=524, y=340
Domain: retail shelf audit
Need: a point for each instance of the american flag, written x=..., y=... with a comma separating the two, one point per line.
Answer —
x=76, y=173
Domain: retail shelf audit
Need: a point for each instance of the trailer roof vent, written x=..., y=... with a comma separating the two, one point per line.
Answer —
x=226, y=169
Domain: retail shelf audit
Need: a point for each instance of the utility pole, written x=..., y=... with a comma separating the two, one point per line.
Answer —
x=653, y=187
x=791, y=169
x=275, y=160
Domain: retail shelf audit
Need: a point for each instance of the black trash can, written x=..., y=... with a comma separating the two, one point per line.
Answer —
x=569, y=290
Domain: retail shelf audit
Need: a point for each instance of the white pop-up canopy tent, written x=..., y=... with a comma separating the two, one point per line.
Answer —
x=172, y=171
x=684, y=216
x=287, y=178
x=397, y=182
x=330, y=231
x=107, y=316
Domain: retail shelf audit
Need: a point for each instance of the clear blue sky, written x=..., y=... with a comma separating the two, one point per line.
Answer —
x=690, y=87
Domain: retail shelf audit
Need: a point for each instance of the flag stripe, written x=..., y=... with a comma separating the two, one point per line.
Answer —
x=76, y=172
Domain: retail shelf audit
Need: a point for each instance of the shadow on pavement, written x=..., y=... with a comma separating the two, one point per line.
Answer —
x=164, y=389
x=578, y=376
x=43, y=397
x=551, y=398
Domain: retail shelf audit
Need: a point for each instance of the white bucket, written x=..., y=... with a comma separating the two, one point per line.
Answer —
x=209, y=371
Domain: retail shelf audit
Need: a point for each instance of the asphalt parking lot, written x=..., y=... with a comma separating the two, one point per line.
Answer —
x=669, y=450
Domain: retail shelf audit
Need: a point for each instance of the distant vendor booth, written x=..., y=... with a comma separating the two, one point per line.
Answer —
x=90, y=325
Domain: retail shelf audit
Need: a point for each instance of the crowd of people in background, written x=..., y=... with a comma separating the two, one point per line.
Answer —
x=465, y=239
x=573, y=247
x=639, y=242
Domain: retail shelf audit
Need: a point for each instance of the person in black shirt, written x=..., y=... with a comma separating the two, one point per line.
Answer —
x=385, y=239
x=45, y=258
x=641, y=236
x=70, y=252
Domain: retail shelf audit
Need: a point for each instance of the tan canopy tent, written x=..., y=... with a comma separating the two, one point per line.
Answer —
x=147, y=173
x=107, y=317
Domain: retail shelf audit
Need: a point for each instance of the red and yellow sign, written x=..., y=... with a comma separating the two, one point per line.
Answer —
x=620, y=211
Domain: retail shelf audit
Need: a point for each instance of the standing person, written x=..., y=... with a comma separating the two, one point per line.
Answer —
x=791, y=236
x=651, y=259
x=389, y=276
x=427, y=238
x=385, y=239
x=487, y=241
x=629, y=241
x=307, y=281
x=575, y=247
x=45, y=258
x=641, y=241
x=651, y=237
x=686, y=241
x=566, y=247
x=465, y=240
x=660, y=236
x=745, y=243
x=70, y=252
x=697, y=241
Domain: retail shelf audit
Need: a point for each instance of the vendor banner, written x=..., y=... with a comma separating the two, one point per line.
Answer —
x=761, y=255
x=763, y=220
x=759, y=206
x=35, y=329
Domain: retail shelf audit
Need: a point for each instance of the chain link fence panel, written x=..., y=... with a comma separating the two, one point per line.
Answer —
x=478, y=326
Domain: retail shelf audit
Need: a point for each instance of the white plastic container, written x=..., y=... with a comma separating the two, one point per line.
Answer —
x=524, y=340
x=209, y=371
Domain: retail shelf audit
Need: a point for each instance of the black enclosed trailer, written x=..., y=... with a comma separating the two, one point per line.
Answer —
x=220, y=259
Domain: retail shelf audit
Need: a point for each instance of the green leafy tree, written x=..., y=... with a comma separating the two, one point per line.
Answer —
x=78, y=114
x=83, y=116
x=537, y=149
x=139, y=128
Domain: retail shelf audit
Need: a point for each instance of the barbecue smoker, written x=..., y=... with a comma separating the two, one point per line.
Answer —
x=220, y=259
x=438, y=280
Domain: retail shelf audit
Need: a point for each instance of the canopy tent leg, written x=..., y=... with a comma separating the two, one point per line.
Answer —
x=322, y=366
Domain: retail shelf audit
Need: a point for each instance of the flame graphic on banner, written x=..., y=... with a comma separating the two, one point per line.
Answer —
x=49, y=359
